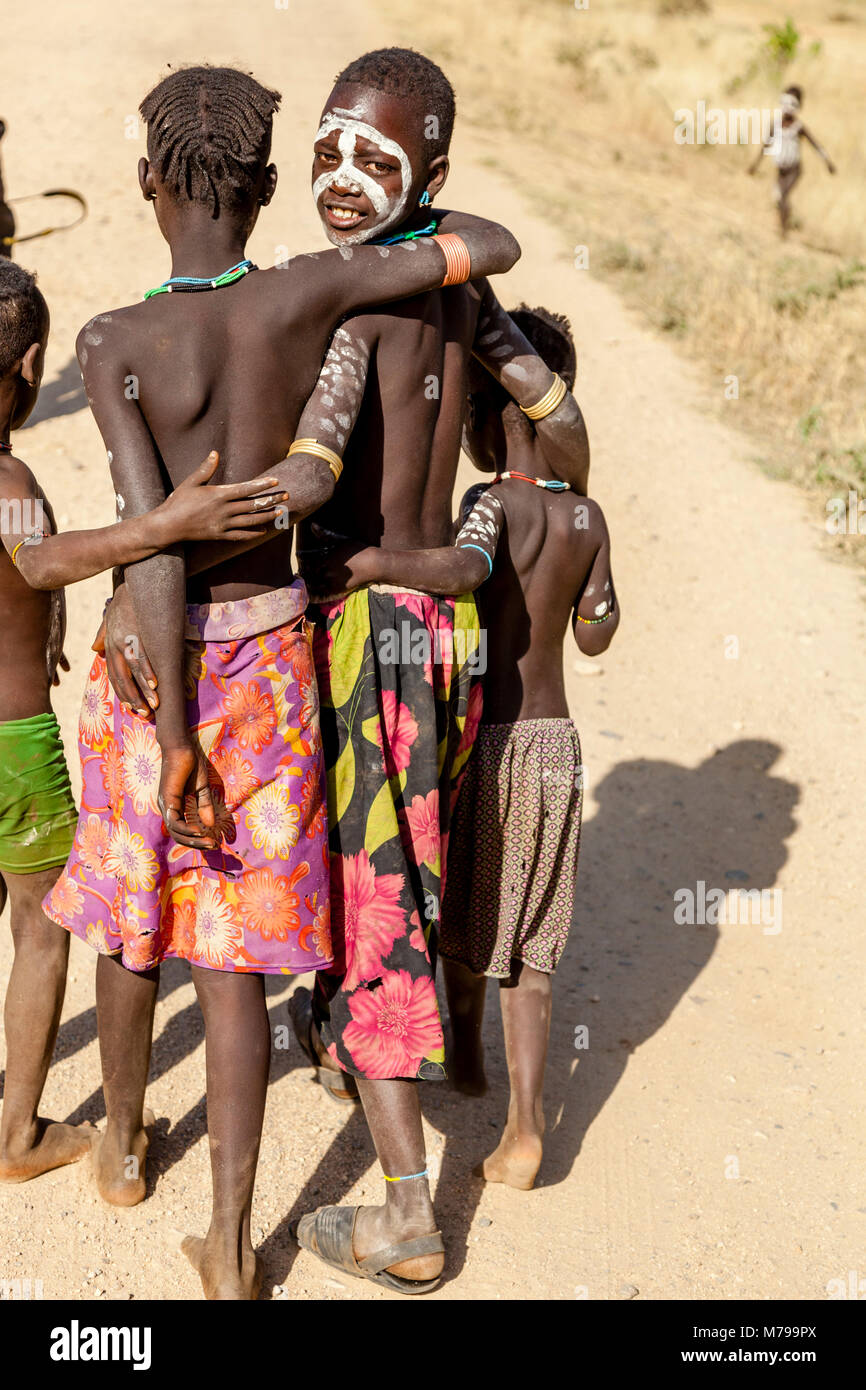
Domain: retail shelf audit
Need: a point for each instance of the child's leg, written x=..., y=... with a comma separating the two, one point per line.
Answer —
x=393, y=1112
x=238, y=1046
x=125, y=1004
x=787, y=179
x=525, y=998
x=30, y=1145
x=465, y=992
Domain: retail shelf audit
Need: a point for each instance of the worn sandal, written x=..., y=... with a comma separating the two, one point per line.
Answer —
x=339, y=1085
x=328, y=1234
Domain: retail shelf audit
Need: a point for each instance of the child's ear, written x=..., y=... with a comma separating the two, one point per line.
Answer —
x=437, y=173
x=32, y=364
x=145, y=180
x=269, y=185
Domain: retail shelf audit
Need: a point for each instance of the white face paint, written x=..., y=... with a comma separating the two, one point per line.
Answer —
x=388, y=209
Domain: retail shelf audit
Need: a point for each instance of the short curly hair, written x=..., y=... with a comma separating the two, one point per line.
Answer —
x=23, y=313
x=403, y=72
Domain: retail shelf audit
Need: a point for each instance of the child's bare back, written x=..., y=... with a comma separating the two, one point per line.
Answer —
x=547, y=548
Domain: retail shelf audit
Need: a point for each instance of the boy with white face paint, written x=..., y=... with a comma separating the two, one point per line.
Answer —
x=398, y=723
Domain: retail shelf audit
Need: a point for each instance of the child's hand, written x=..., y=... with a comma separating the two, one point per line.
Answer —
x=132, y=677
x=335, y=569
x=227, y=511
x=62, y=665
x=185, y=775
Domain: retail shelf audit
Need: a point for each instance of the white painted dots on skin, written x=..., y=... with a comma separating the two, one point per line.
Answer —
x=514, y=373
x=482, y=525
x=340, y=390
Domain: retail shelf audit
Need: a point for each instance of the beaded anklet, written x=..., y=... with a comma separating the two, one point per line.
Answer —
x=409, y=1176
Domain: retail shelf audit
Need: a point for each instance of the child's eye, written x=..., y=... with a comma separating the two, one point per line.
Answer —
x=380, y=169
x=326, y=157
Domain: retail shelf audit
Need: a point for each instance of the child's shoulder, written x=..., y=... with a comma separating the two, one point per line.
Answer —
x=107, y=330
x=16, y=476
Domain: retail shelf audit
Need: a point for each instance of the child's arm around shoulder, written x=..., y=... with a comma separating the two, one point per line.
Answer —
x=449, y=569
x=194, y=511
x=596, y=610
x=509, y=356
x=342, y=280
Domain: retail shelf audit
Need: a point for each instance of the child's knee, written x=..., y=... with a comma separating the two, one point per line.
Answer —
x=29, y=924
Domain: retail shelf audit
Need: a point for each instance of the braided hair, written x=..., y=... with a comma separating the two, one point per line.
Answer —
x=209, y=134
x=404, y=73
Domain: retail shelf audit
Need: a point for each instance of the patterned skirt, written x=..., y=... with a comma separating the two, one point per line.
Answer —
x=512, y=860
x=261, y=902
x=401, y=700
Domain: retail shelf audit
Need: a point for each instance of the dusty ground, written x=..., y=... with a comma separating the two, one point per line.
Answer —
x=708, y=1143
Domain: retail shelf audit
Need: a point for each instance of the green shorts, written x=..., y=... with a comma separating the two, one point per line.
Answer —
x=37, y=812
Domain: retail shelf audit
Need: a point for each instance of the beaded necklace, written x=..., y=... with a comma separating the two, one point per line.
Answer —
x=5, y=448
x=191, y=284
x=429, y=230
x=549, y=484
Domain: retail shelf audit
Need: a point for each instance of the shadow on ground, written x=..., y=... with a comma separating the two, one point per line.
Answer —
x=659, y=827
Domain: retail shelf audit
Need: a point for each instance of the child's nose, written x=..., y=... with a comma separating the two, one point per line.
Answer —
x=343, y=184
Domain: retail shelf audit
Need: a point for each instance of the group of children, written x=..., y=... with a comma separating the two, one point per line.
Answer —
x=266, y=787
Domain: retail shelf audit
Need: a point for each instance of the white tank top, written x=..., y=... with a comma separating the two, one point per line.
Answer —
x=785, y=147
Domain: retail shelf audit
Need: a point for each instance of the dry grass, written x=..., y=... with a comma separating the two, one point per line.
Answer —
x=681, y=228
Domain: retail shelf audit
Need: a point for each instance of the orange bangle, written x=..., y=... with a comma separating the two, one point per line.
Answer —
x=457, y=259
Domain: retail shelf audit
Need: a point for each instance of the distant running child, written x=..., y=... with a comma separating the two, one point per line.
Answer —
x=37, y=813
x=783, y=147
x=512, y=855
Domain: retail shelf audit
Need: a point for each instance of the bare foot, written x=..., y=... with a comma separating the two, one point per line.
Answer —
x=515, y=1161
x=220, y=1276
x=119, y=1162
x=53, y=1146
x=375, y=1230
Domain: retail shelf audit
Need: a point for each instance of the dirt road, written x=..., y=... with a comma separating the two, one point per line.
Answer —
x=708, y=1141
